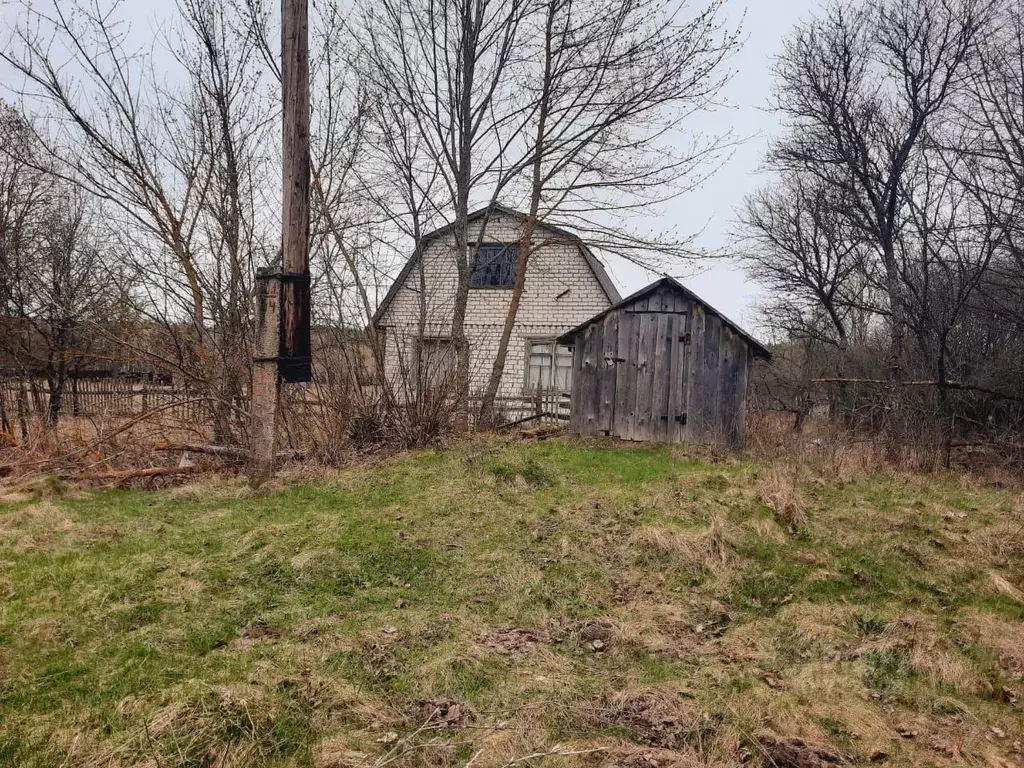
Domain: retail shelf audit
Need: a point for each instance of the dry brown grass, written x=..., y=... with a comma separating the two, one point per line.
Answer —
x=779, y=488
x=1002, y=586
x=709, y=550
x=839, y=453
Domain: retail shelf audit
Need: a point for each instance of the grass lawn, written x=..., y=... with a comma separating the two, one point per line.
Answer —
x=597, y=603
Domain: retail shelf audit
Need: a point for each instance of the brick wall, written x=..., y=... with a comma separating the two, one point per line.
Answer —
x=561, y=292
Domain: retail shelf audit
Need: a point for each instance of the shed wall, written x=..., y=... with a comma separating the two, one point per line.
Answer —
x=661, y=368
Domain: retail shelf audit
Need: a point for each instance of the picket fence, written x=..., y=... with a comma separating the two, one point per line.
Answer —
x=126, y=397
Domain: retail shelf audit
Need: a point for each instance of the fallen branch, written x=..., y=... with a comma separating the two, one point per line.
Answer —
x=131, y=474
x=534, y=417
x=224, y=451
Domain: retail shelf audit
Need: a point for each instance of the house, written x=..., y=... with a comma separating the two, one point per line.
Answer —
x=565, y=284
x=662, y=364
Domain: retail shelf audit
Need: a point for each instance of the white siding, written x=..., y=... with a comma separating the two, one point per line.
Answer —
x=561, y=292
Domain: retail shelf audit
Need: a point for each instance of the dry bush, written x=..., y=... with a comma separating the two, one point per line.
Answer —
x=89, y=445
x=401, y=426
x=779, y=490
x=842, y=452
x=341, y=414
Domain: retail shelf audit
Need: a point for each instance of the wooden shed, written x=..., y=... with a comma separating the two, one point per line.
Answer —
x=661, y=365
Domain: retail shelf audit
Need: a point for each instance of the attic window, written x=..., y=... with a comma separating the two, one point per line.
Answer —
x=496, y=265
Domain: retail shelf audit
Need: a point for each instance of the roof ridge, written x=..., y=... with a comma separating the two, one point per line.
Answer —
x=675, y=283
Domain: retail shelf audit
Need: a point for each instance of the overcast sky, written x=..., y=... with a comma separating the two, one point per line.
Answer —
x=723, y=285
x=712, y=208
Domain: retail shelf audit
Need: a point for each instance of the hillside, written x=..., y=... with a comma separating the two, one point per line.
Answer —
x=494, y=603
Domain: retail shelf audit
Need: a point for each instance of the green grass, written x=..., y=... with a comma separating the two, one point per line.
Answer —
x=210, y=626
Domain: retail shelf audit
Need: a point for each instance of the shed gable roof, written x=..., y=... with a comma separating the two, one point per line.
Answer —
x=759, y=349
x=592, y=261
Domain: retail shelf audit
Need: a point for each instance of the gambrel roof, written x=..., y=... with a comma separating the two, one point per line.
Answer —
x=592, y=261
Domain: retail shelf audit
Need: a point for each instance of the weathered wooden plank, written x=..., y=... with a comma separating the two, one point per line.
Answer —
x=662, y=375
x=642, y=403
x=710, y=425
x=741, y=383
x=575, y=389
x=677, y=378
x=592, y=379
x=586, y=374
x=727, y=387
x=678, y=302
x=624, y=373
x=638, y=357
x=607, y=367
x=739, y=391
x=694, y=380
x=739, y=368
x=668, y=299
x=686, y=364
x=738, y=387
x=633, y=377
x=657, y=302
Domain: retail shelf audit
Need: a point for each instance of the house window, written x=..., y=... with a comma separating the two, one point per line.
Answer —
x=496, y=265
x=548, y=366
x=437, y=358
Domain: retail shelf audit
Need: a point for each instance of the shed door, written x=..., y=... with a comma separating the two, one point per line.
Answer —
x=650, y=375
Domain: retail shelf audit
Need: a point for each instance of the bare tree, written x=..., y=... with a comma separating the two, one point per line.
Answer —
x=447, y=65
x=609, y=81
x=55, y=287
x=800, y=244
x=180, y=162
x=871, y=220
x=858, y=88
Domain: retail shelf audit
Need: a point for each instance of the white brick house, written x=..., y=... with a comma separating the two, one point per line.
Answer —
x=565, y=285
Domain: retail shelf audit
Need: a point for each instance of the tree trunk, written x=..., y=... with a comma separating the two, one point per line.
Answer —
x=463, y=180
x=5, y=424
x=56, y=385
x=894, y=418
x=22, y=408
x=526, y=244
x=798, y=421
x=459, y=340
x=498, y=367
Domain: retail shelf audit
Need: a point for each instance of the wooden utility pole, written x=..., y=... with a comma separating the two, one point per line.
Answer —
x=295, y=337
x=283, y=323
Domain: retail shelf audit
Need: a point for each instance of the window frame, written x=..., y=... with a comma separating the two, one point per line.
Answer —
x=553, y=347
x=439, y=343
x=513, y=247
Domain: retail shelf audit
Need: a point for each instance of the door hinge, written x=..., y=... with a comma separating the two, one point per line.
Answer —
x=681, y=418
x=685, y=338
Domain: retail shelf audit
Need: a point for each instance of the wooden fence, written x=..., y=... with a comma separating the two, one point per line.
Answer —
x=542, y=406
x=107, y=397
x=133, y=396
